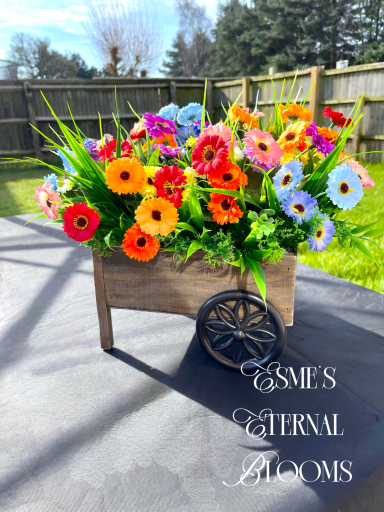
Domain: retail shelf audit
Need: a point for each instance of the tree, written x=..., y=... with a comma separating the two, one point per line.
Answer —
x=125, y=35
x=189, y=53
x=370, y=31
x=37, y=60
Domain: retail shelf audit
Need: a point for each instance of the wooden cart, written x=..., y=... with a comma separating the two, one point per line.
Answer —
x=233, y=324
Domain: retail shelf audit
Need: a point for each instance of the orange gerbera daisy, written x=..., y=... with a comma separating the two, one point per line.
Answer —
x=329, y=135
x=293, y=112
x=237, y=113
x=253, y=120
x=167, y=140
x=140, y=245
x=293, y=136
x=125, y=176
x=228, y=176
x=157, y=216
x=224, y=209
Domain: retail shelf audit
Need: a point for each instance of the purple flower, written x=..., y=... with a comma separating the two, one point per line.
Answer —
x=319, y=141
x=170, y=152
x=323, y=236
x=90, y=146
x=184, y=132
x=299, y=206
x=157, y=126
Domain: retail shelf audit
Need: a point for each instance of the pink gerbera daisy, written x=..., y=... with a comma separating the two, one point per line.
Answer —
x=262, y=147
x=218, y=129
x=365, y=178
x=45, y=196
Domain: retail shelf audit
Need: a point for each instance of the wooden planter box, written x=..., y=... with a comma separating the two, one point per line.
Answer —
x=160, y=285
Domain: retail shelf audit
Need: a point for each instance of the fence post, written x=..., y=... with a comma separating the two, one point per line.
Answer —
x=209, y=99
x=246, y=91
x=173, y=92
x=314, y=97
x=32, y=120
x=358, y=131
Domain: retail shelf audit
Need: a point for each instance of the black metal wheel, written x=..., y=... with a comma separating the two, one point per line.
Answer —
x=237, y=330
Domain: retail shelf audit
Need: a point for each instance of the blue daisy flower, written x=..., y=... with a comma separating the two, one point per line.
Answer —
x=286, y=179
x=52, y=179
x=68, y=167
x=300, y=206
x=190, y=114
x=323, y=236
x=169, y=112
x=344, y=187
x=186, y=131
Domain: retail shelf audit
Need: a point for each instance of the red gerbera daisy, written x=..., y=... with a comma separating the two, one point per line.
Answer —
x=209, y=152
x=80, y=222
x=167, y=181
x=138, y=131
x=106, y=152
x=126, y=148
x=337, y=118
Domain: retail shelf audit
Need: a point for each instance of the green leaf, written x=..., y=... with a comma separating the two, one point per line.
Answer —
x=37, y=217
x=183, y=211
x=154, y=158
x=236, y=263
x=195, y=208
x=188, y=227
x=361, y=229
x=107, y=238
x=54, y=221
x=195, y=246
x=374, y=232
x=232, y=193
x=271, y=194
x=243, y=266
x=258, y=275
x=364, y=250
x=206, y=236
x=250, y=240
x=259, y=254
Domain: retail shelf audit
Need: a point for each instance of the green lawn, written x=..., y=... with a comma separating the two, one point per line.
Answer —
x=17, y=188
x=354, y=266
x=18, y=184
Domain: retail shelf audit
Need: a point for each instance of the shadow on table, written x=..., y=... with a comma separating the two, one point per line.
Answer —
x=357, y=398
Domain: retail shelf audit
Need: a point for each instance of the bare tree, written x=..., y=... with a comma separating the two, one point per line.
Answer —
x=125, y=34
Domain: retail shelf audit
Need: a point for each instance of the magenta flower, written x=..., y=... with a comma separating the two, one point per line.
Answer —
x=157, y=126
x=170, y=152
x=319, y=141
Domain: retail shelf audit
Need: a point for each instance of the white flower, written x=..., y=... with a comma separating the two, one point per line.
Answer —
x=67, y=185
x=191, y=171
x=239, y=154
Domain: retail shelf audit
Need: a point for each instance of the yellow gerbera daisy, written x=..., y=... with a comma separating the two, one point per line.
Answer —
x=156, y=216
x=293, y=136
x=125, y=176
x=148, y=189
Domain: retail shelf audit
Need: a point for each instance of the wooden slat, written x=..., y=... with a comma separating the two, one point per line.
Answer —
x=160, y=285
x=44, y=86
x=354, y=69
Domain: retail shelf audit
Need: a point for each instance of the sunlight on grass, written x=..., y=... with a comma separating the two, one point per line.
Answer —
x=17, y=188
x=354, y=266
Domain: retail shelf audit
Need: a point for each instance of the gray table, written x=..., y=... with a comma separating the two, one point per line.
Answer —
x=148, y=425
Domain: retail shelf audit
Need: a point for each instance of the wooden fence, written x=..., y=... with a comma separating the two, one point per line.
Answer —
x=22, y=104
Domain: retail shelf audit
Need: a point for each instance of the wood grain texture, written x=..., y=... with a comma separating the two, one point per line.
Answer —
x=160, y=285
x=103, y=310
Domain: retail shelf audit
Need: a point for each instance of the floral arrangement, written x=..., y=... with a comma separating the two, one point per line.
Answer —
x=241, y=190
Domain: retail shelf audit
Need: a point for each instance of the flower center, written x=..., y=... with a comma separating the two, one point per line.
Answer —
x=344, y=188
x=160, y=125
x=286, y=180
x=209, y=154
x=225, y=205
x=290, y=136
x=319, y=234
x=227, y=176
x=49, y=204
x=141, y=242
x=156, y=215
x=125, y=175
x=81, y=222
x=262, y=146
x=298, y=208
x=168, y=189
x=149, y=181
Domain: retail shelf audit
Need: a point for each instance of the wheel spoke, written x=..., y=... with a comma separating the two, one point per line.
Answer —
x=262, y=340
x=224, y=345
x=217, y=331
x=259, y=354
x=254, y=327
x=245, y=320
x=237, y=357
x=236, y=312
x=221, y=316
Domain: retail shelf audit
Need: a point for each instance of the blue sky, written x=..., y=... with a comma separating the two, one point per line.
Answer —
x=60, y=21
